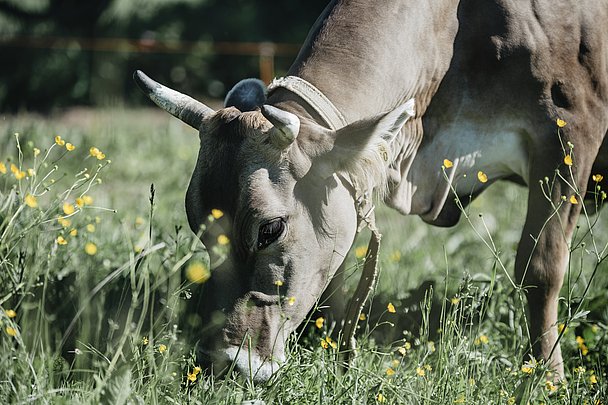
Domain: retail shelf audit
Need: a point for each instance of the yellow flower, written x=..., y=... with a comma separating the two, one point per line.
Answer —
x=10, y=313
x=96, y=153
x=197, y=272
x=197, y=370
x=68, y=208
x=568, y=160
x=395, y=363
x=573, y=199
x=455, y=300
x=61, y=240
x=145, y=341
x=90, y=228
x=19, y=175
x=390, y=372
x=64, y=222
x=360, y=251
x=484, y=339
x=74, y=232
x=428, y=367
x=217, y=214
x=31, y=172
x=291, y=301
x=223, y=240
x=529, y=366
x=560, y=123
x=192, y=377
x=30, y=201
x=395, y=256
x=420, y=371
x=380, y=398
x=511, y=400
x=481, y=176
x=59, y=141
x=139, y=221
x=592, y=379
x=2, y=168
x=36, y=152
x=319, y=322
x=90, y=248
x=407, y=345
x=11, y=331
x=460, y=399
x=447, y=163
x=328, y=342
x=80, y=202
x=87, y=199
x=69, y=147
x=391, y=308
x=402, y=351
x=362, y=317
x=561, y=327
x=278, y=283
x=549, y=386
x=162, y=348
x=579, y=370
x=597, y=178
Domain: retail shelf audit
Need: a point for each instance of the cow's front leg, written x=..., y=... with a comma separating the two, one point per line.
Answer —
x=542, y=255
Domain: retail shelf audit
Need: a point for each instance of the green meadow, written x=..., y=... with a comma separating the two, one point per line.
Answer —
x=100, y=277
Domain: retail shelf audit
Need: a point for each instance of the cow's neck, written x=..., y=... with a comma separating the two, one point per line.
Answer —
x=368, y=59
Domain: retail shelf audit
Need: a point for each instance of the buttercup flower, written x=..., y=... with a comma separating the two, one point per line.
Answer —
x=10, y=313
x=69, y=147
x=90, y=248
x=447, y=163
x=68, y=208
x=560, y=122
x=2, y=168
x=481, y=176
x=30, y=201
x=390, y=308
x=59, y=141
x=319, y=322
x=568, y=160
x=197, y=273
x=217, y=214
x=360, y=252
x=223, y=240
x=61, y=240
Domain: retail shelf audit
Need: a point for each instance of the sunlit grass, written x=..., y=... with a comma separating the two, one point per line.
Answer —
x=97, y=275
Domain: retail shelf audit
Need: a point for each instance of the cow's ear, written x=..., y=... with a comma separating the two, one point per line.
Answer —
x=363, y=148
x=246, y=95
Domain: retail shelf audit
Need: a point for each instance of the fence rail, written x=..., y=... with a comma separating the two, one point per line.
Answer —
x=264, y=51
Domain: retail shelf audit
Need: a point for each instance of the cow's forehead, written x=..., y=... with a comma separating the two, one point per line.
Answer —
x=238, y=166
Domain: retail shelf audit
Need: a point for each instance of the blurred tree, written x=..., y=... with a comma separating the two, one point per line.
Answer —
x=60, y=73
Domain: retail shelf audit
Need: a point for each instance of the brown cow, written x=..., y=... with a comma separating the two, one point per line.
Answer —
x=489, y=78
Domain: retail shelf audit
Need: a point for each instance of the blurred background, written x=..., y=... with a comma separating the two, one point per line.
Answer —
x=61, y=53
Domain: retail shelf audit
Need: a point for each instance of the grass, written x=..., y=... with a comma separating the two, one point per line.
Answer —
x=116, y=324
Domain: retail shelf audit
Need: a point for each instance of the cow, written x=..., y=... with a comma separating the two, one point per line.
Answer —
x=490, y=80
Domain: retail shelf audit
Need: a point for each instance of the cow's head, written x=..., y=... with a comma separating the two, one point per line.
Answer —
x=284, y=184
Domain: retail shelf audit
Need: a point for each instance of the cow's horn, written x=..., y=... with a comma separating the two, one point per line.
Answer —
x=286, y=125
x=184, y=107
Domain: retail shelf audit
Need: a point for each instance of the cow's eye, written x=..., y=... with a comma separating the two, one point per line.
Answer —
x=269, y=232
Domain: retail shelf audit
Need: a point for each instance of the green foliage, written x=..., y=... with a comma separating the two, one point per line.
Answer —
x=117, y=326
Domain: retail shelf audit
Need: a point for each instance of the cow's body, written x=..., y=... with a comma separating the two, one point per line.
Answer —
x=489, y=78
